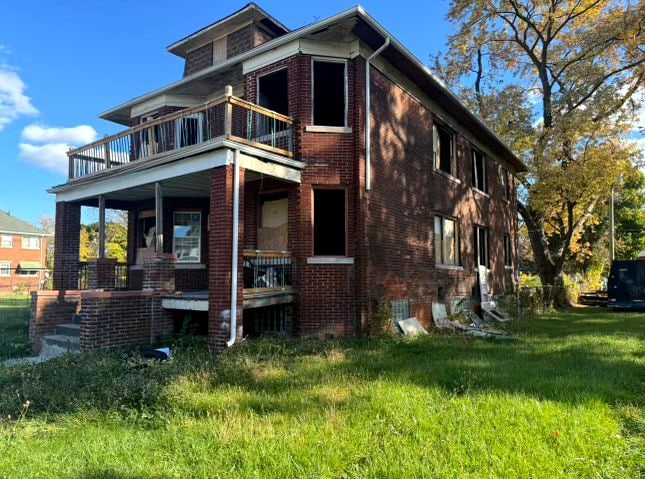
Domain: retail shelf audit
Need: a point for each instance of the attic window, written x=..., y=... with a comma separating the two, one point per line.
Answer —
x=444, y=150
x=273, y=91
x=330, y=93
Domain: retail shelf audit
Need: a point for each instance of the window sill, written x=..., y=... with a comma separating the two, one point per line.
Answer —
x=452, y=267
x=327, y=129
x=330, y=260
x=448, y=176
x=190, y=266
x=481, y=193
x=509, y=268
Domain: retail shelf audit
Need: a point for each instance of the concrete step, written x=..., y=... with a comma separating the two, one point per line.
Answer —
x=67, y=343
x=70, y=329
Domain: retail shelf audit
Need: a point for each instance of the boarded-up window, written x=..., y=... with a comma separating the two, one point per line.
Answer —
x=329, y=222
x=329, y=93
x=274, y=218
x=219, y=50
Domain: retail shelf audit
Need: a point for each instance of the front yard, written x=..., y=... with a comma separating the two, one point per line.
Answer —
x=565, y=399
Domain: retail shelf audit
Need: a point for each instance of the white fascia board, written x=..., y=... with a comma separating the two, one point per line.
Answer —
x=165, y=99
x=202, y=162
x=20, y=233
x=271, y=169
x=306, y=47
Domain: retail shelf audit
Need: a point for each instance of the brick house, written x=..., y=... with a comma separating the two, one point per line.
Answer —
x=288, y=183
x=23, y=254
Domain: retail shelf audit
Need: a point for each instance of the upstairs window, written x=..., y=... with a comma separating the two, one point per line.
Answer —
x=330, y=222
x=30, y=242
x=482, y=246
x=446, y=241
x=189, y=130
x=5, y=269
x=508, y=258
x=444, y=150
x=187, y=236
x=506, y=185
x=6, y=241
x=330, y=93
x=480, y=179
x=273, y=91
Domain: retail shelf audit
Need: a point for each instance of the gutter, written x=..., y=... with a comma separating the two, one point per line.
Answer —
x=368, y=116
x=235, y=246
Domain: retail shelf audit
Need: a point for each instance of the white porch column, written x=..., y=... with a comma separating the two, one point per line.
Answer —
x=158, y=218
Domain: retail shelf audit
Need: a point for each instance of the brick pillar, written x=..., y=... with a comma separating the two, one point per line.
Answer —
x=66, y=245
x=101, y=273
x=159, y=276
x=220, y=237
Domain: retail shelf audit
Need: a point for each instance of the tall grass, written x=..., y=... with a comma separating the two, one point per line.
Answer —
x=563, y=400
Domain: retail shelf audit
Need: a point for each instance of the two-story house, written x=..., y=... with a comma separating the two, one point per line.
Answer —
x=23, y=254
x=290, y=181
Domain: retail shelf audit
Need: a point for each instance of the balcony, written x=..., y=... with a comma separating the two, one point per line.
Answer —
x=228, y=118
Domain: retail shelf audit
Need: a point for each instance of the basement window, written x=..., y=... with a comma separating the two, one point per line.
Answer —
x=273, y=91
x=482, y=246
x=187, y=236
x=444, y=150
x=330, y=93
x=329, y=222
x=480, y=179
x=508, y=259
x=446, y=240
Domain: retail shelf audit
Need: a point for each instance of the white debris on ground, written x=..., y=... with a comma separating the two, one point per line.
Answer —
x=411, y=327
x=473, y=326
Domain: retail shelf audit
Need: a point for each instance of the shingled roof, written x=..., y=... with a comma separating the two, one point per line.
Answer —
x=11, y=224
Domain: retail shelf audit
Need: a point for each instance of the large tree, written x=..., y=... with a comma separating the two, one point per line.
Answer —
x=559, y=81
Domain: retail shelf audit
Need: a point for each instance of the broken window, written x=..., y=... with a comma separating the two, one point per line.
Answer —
x=480, y=180
x=273, y=91
x=329, y=222
x=329, y=93
x=187, y=236
x=508, y=259
x=446, y=240
x=506, y=186
x=482, y=246
x=443, y=150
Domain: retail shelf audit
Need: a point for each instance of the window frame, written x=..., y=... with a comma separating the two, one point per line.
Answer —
x=506, y=184
x=346, y=89
x=262, y=75
x=478, y=262
x=22, y=241
x=441, y=261
x=5, y=266
x=27, y=272
x=475, y=182
x=2, y=241
x=436, y=159
x=178, y=124
x=313, y=221
x=199, y=237
x=508, y=254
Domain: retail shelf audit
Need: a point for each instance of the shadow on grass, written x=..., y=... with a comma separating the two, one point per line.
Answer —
x=550, y=360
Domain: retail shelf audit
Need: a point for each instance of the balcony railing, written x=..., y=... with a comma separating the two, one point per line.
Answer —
x=268, y=270
x=228, y=118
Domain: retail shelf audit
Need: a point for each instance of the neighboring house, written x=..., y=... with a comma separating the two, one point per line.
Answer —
x=254, y=193
x=23, y=254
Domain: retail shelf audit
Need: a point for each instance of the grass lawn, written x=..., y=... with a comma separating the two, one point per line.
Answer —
x=563, y=400
x=14, y=327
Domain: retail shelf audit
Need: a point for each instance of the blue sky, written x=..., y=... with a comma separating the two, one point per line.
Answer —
x=62, y=63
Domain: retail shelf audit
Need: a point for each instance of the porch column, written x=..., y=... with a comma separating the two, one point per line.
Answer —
x=158, y=218
x=101, y=254
x=220, y=237
x=101, y=273
x=67, y=245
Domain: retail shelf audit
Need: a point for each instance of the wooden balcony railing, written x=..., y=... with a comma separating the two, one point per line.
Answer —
x=227, y=118
x=268, y=270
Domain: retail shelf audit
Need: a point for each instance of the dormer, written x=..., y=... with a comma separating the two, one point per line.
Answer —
x=245, y=29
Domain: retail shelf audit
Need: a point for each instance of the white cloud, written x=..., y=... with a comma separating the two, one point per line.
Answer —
x=77, y=135
x=47, y=146
x=13, y=101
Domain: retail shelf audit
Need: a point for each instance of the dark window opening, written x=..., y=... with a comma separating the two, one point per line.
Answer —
x=506, y=185
x=329, y=223
x=508, y=259
x=273, y=92
x=479, y=171
x=189, y=130
x=443, y=150
x=482, y=246
x=329, y=94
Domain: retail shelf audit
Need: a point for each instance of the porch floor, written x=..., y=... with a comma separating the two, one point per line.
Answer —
x=253, y=298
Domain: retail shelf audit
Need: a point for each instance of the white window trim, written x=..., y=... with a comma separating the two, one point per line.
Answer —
x=3, y=265
x=330, y=260
x=438, y=262
x=29, y=247
x=329, y=60
x=2, y=238
x=199, y=238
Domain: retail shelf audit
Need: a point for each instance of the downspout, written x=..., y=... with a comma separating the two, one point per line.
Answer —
x=234, y=246
x=368, y=114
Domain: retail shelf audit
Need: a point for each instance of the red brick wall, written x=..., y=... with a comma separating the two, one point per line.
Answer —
x=240, y=41
x=405, y=195
x=67, y=244
x=14, y=255
x=48, y=310
x=199, y=59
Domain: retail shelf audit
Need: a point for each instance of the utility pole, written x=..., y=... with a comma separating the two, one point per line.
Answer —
x=612, y=249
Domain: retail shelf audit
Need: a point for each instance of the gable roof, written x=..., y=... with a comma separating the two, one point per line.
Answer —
x=11, y=224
